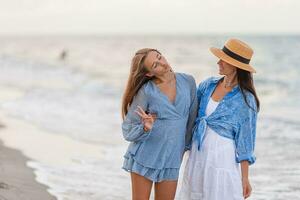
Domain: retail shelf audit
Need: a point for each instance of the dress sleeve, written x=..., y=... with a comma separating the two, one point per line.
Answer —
x=245, y=138
x=132, y=126
x=193, y=110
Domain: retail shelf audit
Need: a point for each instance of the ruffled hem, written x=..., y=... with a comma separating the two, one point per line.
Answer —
x=212, y=173
x=211, y=184
x=155, y=175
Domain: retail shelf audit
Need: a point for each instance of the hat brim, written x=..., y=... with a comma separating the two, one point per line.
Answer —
x=220, y=54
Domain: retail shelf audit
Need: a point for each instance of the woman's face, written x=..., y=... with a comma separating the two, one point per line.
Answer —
x=226, y=68
x=156, y=64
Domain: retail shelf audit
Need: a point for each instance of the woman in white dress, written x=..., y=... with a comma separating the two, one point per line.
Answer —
x=224, y=135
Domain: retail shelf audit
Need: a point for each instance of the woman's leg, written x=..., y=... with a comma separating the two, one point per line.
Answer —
x=141, y=187
x=165, y=190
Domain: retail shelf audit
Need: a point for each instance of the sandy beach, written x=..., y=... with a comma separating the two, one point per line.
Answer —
x=26, y=149
x=17, y=181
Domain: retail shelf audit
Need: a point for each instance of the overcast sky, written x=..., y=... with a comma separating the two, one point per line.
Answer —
x=149, y=16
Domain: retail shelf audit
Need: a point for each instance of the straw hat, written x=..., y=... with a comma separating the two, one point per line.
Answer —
x=236, y=53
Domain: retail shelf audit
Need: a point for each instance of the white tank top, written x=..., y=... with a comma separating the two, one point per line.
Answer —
x=211, y=106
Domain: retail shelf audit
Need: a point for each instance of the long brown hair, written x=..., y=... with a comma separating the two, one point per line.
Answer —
x=137, y=78
x=245, y=81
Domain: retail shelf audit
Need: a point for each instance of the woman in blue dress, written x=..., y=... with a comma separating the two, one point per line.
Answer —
x=225, y=130
x=159, y=109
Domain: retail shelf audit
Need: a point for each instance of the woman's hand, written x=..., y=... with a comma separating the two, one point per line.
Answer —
x=147, y=119
x=246, y=187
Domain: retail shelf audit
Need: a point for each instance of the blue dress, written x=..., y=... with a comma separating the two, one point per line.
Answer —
x=157, y=154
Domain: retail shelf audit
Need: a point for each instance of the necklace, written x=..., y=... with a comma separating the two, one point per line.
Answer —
x=229, y=84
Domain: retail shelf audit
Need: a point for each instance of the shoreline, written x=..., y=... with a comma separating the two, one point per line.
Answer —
x=27, y=150
x=17, y=180
x=20, y=149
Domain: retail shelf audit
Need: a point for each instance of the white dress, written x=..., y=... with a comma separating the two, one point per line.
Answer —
x=212, y=173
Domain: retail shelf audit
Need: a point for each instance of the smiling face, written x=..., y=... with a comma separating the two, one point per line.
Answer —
x=156, y=64
x=226, y=68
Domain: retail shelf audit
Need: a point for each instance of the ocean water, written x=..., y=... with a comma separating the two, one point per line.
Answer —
x=80, y=97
